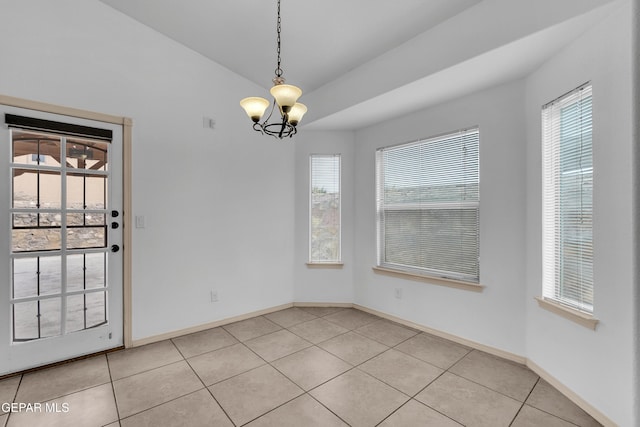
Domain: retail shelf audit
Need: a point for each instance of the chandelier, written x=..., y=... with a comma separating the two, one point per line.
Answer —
x=284, y=96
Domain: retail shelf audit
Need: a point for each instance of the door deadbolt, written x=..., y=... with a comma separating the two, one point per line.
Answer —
x=115, y=248
x=115, y=225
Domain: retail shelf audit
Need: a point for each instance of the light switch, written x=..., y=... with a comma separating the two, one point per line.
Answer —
x=139, y=221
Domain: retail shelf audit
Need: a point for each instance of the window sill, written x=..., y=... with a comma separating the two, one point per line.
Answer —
x=325, y=265
x=576, y=316
x=452, y=283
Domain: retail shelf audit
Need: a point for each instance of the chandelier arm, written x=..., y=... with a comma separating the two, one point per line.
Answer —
x=265, y=121
x=258, y=128
x=284, y=124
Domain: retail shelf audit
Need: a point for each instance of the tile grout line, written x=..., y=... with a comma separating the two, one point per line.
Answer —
x=204, y=385
x=15, y=395
x=542, y=410
x=113, y=390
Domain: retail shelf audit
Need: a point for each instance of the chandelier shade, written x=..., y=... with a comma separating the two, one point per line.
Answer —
x=285, y=97
x=255, y=107
x=296, y=113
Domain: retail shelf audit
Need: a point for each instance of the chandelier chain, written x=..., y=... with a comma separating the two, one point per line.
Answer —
x=278, y=69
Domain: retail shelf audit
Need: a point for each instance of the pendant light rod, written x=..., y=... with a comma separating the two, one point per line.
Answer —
x=278, y=31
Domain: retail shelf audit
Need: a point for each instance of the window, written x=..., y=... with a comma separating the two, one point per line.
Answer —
x=428, y=206
x=568, y=200
x=324, y=226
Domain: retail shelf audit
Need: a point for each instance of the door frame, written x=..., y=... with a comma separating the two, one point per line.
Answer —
x=127, y=124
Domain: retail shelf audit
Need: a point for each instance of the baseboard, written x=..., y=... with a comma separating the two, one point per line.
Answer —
x=205, y=326
x=475, y=345
x=323, y=304
x=571, y=395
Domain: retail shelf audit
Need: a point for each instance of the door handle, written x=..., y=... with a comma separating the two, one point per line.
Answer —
x=115, y=225
x=115, y=248
x=114, y=214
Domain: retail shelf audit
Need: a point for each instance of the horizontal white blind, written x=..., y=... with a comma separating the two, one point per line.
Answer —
x=428, y=206
x=324, y=225
x=568, y=200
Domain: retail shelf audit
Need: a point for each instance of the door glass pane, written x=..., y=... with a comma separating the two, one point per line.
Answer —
x=85, y=219
x=86, y=310
x=25, y=188
x=36, y=319
x=32, y=148
x=34, y=239
x=33, y=189
x=96, y=309
x=50, y=321
x=25, y=321
x=25, y=220
x=25, y=277
x=50, y=190
x=25, y=151
x=87, y=154
x=50, y=275
x=86, y=237
x=75, y=313
x=96, y=265
x=86, y=191
x=75, y=272
x=86, y=271
x=36, y=276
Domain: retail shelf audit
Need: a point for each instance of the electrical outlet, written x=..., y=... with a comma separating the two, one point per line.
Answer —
x=214, y=296
x=398, y=293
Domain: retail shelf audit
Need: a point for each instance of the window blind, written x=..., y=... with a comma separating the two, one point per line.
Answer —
x=324, y=227
x=568, y=199
x=428, y=206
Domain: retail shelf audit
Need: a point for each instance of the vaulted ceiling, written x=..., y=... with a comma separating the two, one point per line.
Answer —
x=361, y=61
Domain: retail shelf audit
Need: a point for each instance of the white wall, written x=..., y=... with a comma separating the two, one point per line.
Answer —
x=324, y=284
x=596, y=365
x=494, y=317
x=218, y=203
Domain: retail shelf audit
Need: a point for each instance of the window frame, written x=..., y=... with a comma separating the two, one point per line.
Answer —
x=335, y=261
x=469, y=281
x=555, y=290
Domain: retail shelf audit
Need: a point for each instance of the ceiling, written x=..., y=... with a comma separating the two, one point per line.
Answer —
x=357, y=60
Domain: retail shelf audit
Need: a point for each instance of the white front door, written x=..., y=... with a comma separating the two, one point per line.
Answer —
x=60, y=238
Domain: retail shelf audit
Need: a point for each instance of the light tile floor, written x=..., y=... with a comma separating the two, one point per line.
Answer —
x=299, y=367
